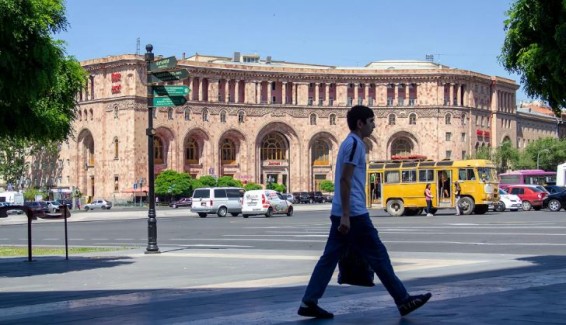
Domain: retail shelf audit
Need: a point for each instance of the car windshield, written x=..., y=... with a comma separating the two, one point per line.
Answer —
x=502, y=192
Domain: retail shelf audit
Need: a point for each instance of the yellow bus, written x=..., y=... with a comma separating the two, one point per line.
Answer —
x=398, y=186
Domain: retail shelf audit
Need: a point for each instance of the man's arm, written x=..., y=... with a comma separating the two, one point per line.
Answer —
x=345, y=190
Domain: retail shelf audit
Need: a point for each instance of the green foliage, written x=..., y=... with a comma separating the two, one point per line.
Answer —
x=31, y=193
x=550, y=153
x=252, y=186
x=229, y=181
x=327, y=186
x=535, y=48
x=208, y=181
x=39, y=83
x=278, y=187
x=173, y=183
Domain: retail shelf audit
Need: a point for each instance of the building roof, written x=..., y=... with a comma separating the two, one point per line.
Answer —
x=404, y=65
x=535, y=108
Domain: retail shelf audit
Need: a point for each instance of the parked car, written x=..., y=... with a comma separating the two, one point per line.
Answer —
x=53, y=206
x=328, y=198
x=218, y=200
x=316, y=197
x=266, y=202
x=289, y=196
x=98, y=204
x=555, y=201
x=507, y=202
x=531, y=195
x=304, y=197
x=554, y=188
x=38, y=209
x=182, y=202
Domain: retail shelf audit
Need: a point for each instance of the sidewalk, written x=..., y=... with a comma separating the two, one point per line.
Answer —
x=236, y=286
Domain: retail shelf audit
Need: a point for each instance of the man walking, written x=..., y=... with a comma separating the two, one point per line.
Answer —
x=351, y=225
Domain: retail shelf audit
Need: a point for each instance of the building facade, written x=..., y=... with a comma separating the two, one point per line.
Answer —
x=259, y=120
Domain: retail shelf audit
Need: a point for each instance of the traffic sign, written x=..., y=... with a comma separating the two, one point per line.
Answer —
x=170, y=90
x=172, y=75
x=167, y=63
x=169, y=101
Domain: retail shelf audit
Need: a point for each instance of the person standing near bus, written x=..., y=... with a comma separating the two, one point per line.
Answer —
x=428, y=198
x=457, y=191
x=351, y=225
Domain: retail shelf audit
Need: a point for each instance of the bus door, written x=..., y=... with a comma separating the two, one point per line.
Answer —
x=444, y=189
x=376, y=181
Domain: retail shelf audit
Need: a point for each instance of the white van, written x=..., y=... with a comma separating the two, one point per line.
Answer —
x=267, y=202
x=217, y=200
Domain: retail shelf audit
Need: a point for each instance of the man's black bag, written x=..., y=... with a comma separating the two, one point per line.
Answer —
x=353, y=269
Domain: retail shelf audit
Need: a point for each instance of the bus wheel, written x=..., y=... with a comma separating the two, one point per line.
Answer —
x=467, y=205
x=395, y=208
x=481, y=209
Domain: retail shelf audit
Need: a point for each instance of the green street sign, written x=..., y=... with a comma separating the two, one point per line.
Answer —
x=167, y=63
x=172, y=75
x=169, y=101
x=170, y=90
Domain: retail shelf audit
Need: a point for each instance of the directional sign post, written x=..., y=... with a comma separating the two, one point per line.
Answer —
x=170, y=90
x=171, y=75
x=167, y=63
x=169, y=101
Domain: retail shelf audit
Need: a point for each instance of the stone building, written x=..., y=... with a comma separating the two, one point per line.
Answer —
x=259, y=119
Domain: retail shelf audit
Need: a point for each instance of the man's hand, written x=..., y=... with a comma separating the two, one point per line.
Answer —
x=344, y=226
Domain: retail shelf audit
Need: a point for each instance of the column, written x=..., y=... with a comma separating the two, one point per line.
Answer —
x=366, y=94
x=395, y=94
x=200, y=89
x=237, y=91
x=451, y=95
x=284, y=93
x=458, y=94
x=269, y=92
x=316, y=93
x=328, y=93
x=258, y=92
x=356, y=94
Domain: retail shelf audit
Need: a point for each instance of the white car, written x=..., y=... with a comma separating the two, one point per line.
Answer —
x=266, y=202
x=508, y=202
x=98, y=204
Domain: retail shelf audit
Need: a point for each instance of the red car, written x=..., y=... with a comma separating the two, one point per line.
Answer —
x=182, y=202
x=531, y=195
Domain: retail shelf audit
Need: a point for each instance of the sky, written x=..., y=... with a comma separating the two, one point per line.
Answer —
x=461, y=34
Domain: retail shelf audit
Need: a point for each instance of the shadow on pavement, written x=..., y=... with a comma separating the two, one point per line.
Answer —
x=19, y=267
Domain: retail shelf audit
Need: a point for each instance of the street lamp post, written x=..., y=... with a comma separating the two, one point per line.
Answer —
x=152, y=221
x=538, y=155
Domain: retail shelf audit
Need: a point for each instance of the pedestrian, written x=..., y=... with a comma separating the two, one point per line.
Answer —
x=351, y=225
x=457, y=191
x=428, y=198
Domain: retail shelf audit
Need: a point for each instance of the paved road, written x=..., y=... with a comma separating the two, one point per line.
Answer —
x=262, y=284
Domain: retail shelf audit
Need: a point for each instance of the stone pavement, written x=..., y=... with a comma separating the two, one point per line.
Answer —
x=243, y=286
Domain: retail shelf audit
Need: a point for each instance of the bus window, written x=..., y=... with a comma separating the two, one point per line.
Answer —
x=392, y=176
x=426, y=175
x=487, y=174
x=466, y=174
x=409, y=176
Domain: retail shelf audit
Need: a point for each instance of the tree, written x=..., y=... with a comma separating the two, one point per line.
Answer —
x=327, y=186
x=13, y=164
x=252, y=186
x=38, y=82
x=229, y=181
x=208, y=181
x=505, y=156
x=172, y=183
x=535, y=48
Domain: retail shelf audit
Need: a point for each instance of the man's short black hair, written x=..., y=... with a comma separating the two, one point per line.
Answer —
x=356, y=113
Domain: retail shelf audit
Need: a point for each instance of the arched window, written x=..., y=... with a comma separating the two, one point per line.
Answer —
x=228, y=151
x=170, y=113
x=115, y=148
x=223, y=117
x=332, y=119
x=401, y=147
x=391, y=119
x=91, y=114
x=157, y=150
x=313, y=119
x=320, y=153
x=191, y=152
x=80, y=115
x=412, y=118
x=464, y=117
x=187, y=114
x=273, y=147
x=241, y=117
x=205, y=114
x=115, y=111
x=448, y=119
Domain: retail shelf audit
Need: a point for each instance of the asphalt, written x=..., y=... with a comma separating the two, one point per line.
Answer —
x=231, y=286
